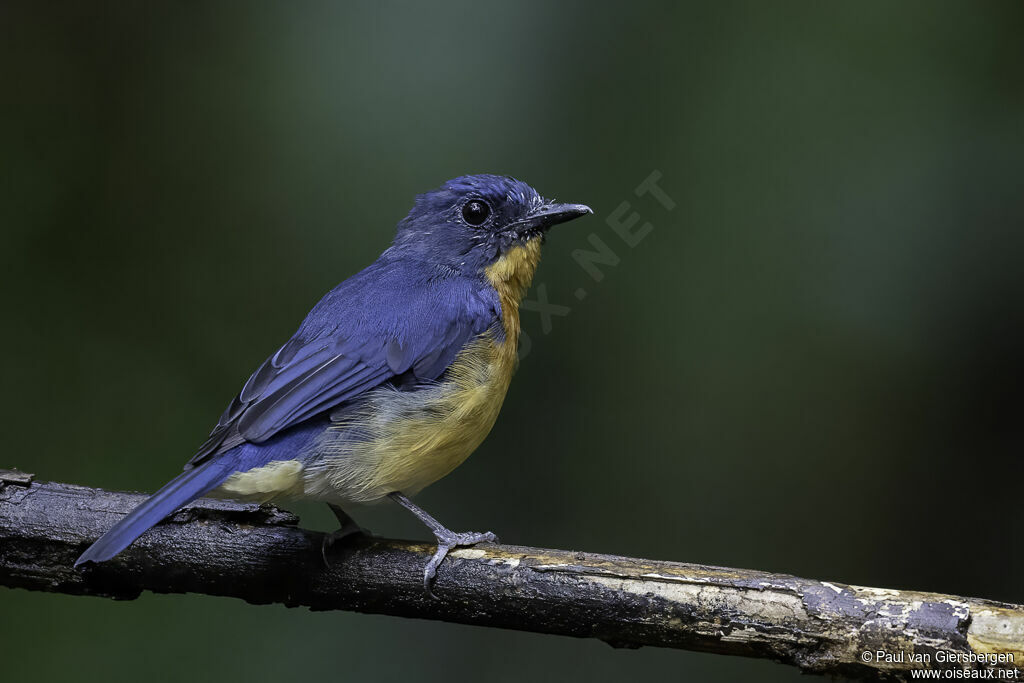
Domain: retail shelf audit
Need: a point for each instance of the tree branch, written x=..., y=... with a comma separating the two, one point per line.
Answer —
x=259, y=554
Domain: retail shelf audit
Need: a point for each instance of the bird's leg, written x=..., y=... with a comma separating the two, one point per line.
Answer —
x=446, y=538
x=348, y=528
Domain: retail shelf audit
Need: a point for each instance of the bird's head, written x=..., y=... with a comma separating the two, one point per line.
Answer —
x=481, y=225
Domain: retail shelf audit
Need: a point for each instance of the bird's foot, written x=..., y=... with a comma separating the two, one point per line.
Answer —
x=448, y=540
x=348, y=528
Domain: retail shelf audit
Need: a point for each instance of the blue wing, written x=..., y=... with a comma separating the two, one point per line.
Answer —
x=394, y=320
x=399, y=322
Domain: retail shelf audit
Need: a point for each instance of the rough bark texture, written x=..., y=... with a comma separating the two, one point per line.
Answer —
x=258, y=554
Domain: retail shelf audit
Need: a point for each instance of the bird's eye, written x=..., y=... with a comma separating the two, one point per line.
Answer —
x=476, y=211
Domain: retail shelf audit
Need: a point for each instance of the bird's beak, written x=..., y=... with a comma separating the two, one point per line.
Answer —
x=550, y=214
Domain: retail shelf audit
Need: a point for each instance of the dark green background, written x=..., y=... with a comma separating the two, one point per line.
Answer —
x=811, y=365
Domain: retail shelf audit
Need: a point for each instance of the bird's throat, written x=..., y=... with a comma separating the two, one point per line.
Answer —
x=511, y=276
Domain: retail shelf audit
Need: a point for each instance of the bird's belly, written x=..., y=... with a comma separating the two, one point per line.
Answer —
x=405, y=440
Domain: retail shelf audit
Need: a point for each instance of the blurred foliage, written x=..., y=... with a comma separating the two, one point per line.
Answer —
x=812, y=364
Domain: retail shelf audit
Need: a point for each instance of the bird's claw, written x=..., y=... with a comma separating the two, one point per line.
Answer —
x=344, y=532
x=446, y=538
x=447, y=541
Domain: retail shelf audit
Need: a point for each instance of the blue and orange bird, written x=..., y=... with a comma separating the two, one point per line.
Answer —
x=393, y=378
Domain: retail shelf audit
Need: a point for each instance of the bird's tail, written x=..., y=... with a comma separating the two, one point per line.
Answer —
x=180, y=491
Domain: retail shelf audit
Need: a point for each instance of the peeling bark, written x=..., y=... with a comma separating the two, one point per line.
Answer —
x=259, y=554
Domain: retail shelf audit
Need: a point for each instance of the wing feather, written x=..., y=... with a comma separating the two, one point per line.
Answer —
x=379, y=325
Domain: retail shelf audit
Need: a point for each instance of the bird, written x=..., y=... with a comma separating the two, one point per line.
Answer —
x=392, y=379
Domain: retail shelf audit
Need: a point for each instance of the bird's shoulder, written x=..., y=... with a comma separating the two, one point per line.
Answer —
x=395, y=298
